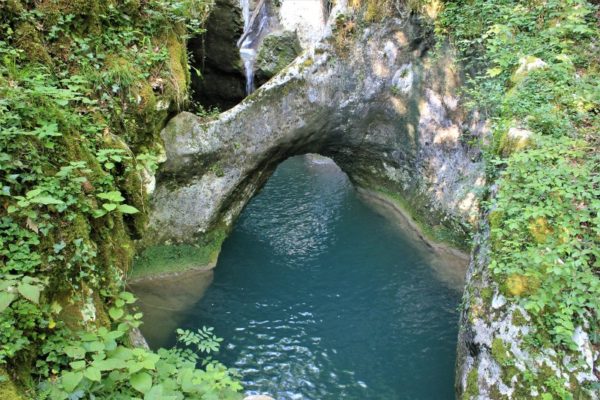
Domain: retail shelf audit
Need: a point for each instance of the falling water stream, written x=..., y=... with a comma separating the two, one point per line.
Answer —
x=255, y=25
x=320, y=295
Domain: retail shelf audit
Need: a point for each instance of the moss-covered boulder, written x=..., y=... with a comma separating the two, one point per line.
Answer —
x=277, y=51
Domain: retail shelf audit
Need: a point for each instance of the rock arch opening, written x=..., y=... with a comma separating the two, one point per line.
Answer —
x=306, y=259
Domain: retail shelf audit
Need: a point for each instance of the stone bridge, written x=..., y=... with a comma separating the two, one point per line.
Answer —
x=378, y=101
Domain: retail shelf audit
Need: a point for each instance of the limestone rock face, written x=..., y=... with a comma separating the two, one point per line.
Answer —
x=307, y=18
x=382, y=108
x=493, y=356
x=386, y=110
x=277, y=51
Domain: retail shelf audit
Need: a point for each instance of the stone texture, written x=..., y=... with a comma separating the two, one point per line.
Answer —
x=344, y=105
x=216, y=56
x=387, y=112
x=277, y=51
x=305, y=17
x=493, y=349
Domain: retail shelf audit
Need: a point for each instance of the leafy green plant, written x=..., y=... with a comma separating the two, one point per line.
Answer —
x=14, y=286
x=112, y=202
x=100, y=364
x=73, y=88
x=532, y=67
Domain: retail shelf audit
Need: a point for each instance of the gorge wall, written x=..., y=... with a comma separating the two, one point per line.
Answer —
x=374, y=100
x=381, y=100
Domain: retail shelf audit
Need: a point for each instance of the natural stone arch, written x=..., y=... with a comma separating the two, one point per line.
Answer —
x=386, y=110
x=377, y=102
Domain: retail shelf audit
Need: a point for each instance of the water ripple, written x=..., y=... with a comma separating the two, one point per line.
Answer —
x=320, y=298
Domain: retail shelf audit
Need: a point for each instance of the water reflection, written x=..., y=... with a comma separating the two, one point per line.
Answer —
x=319, y=296
x=165, y=302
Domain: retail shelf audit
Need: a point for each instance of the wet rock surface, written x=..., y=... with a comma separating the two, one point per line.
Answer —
x=217, y=57
x=344, y=104
x=386, y=110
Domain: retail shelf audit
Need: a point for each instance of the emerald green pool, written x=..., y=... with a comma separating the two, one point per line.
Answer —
x=319, y=295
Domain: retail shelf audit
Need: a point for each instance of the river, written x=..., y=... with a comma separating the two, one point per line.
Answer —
x=321, y=295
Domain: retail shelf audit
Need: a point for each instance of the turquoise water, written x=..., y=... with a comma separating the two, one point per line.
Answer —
x=319, y=296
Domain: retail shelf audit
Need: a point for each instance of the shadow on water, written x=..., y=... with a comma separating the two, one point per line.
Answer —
x=164, y=302
x=321, y=295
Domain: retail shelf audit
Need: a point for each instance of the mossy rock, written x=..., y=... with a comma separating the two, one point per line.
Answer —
x=500, y=352
x=180, y=75
x=518, y=285
x=8, y=389
x=169, y=259
x=540, y=230
x=277, y=51
x=472, y=389
x=28, y=39
x=514, y=140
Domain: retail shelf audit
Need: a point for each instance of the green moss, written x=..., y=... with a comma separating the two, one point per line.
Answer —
x=8, y=389
x=500, y=352
x=486, y=295
x=308, y=62
x=14, y=6
x=277, y=52
x=508, y=144
x=180, y=75
x=472, y=389
x=28, y=39
x=434, y=231
x=495, y=394
x=165, y=259
x=518, y=318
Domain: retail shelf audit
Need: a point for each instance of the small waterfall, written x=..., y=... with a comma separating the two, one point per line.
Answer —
x=248, y=56
x=245, y=6
x=255, y=25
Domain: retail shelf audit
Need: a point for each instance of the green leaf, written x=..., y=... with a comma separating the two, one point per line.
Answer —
x=96, y=346
x=115, y=196
x=150, y=361
x=126, y=209
x=70, y=380
x=142, y=382
x=45, y=200
x=77, y=364
x=33, y=193
x=5, y=300
x=109, y=206
x=492, y=72
x=109, y=364
x=135, y=367
x=115, y=313
x=128, y=297
x=122, y=353
x=30, y=292
x=99, y=213
x=75, y=351
x=93, y=374
x=156, y=393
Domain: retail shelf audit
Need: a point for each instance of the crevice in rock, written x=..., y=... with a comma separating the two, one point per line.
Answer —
x=217, y=58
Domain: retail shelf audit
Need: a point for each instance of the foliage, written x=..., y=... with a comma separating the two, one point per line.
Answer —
x=533, y=69
x=101, y=364
x=80, y=87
